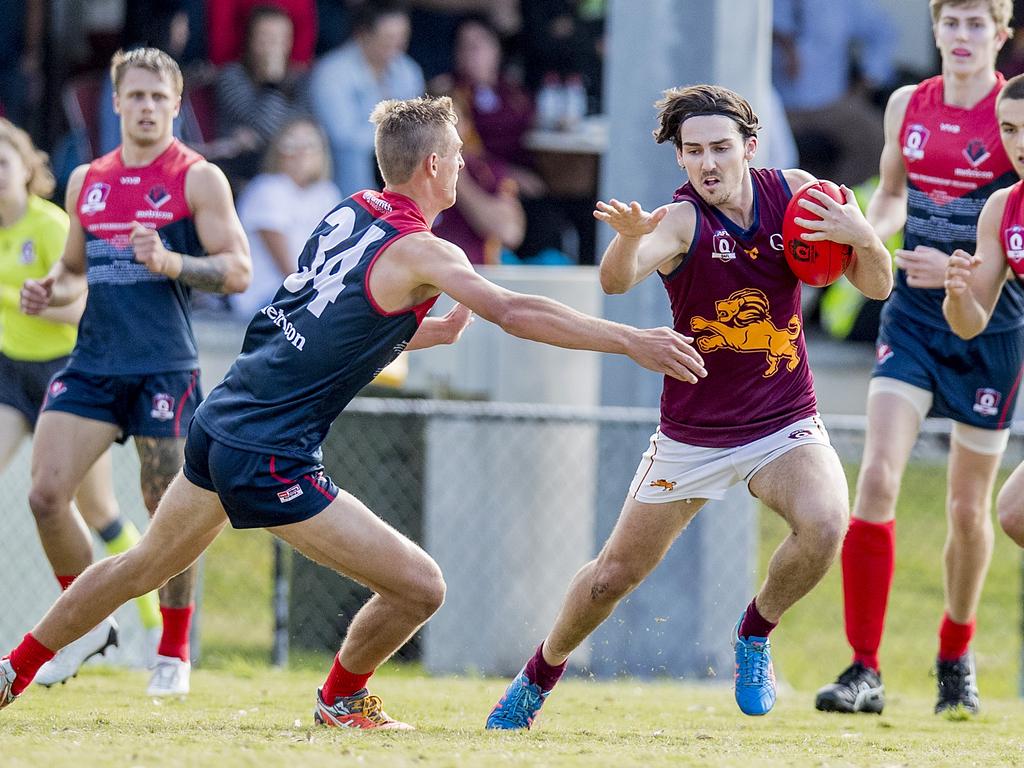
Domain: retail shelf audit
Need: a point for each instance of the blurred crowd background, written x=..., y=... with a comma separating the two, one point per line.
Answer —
x=278, y=93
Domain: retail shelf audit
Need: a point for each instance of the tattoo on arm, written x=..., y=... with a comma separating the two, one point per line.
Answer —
x=206, y=274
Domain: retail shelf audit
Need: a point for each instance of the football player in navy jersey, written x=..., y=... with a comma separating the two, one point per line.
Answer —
x=150, y=221
x=366, y=278
x=942, y=160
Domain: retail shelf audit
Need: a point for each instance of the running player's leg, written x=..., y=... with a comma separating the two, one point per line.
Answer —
x=98, y=506
x=161, y=459
x=186, y=524
x=974, y=459
x=63, y=449
x=641, y=537
x=807, y=487
x=895, y=412
x=1010, y=506
x=408, y=588
x=13, y=429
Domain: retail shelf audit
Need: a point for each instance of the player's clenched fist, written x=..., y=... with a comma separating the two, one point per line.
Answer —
x=36, y=295
x=669, y=352
x=958, y=272
x=150, y=252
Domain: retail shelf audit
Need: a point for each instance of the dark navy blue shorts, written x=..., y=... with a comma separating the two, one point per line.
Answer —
x=974, y=382
x=147, y=405
x=23, y=384
x=256, y=489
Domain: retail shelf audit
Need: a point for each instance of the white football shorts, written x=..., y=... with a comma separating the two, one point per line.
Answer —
x=670, y=470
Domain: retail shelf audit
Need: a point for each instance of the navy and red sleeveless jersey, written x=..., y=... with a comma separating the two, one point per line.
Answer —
x=1011, y=230
x=735, y=293
x=955, y=161
x=322, y=339
x=135, y=321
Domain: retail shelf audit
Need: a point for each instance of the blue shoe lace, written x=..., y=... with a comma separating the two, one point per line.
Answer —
x=519, y=706
x=754, y=662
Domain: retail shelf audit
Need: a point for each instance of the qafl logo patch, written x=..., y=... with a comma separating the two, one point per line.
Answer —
x=163, y=407
x=28, y=253
x=915, y=141
x=94, y=199
x=723, y=247
x=986, y=401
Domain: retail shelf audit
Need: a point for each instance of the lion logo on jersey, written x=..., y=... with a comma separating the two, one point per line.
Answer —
x=744, y=324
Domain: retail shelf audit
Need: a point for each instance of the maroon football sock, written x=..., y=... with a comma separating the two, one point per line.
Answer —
x=541, y=673
x=754, y=624
x=869, y=558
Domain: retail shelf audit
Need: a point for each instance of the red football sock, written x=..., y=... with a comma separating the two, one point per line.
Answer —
x=177, y=623
x=26, y=660
x=869, y=557
x=341, y=682
x=754, y=624
x=541, y=673
x=65, y=581
x=954, y=638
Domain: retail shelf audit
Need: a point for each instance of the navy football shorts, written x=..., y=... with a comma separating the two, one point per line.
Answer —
x=23, y=384
x=148, y=405
x=974, y=381
x=257, y=490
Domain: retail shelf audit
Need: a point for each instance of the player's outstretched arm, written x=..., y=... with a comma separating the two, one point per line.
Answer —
x=65, y=284
x=973, y=282
x=643, y=241
x=871, y=268
x=441, y=330
x=887, y=209
x=445, y=266
x=227, y=267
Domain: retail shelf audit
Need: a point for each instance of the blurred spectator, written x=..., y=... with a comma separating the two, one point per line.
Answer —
x=257, y=95
x=21, y=52
x=349, y=81
x=436, y=21
x=837, y=128
x=226, y=22
x=565, y=37
x=487, y=217
x=280, y=207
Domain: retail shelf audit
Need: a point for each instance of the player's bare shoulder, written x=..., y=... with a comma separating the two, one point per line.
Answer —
x=679, y=224
x=74, y=188
x=896, y=107
x=205, y=183
x=796, y=178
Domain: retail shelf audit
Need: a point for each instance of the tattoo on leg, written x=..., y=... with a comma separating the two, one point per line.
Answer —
x=161, y=458
x=597, y=591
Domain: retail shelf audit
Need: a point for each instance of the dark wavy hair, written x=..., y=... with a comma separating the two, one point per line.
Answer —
x=679, y=104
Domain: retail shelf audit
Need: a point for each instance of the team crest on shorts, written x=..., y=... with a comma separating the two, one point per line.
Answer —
x=883, y=352
x=986, y=401
x=289, y=493
x=797, y=434
x=665, y=485
x=57, y=388
x=163, y=407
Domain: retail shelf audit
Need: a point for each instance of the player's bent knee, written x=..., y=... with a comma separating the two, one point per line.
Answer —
x=48, y=504
x=613, y=579
x=428, y=594
x=878, y=484
x=1010, y=511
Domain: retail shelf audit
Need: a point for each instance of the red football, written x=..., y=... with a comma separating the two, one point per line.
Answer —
x=817, y=263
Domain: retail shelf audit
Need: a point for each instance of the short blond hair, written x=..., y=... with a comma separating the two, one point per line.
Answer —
x=408, y=131
x=37, y=163
x=152, y=59
x=1000, y=10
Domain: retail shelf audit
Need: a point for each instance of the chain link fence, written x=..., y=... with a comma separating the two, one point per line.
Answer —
x=511, y=500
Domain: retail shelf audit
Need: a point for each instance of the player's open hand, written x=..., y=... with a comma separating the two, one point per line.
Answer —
x=925, y=267
x=959, y=269
x=150, y=252
x=36, y=295
x=669, y=352
x=831, y=220
x=628, y=220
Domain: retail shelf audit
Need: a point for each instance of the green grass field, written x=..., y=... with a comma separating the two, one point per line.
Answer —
x=243, y=713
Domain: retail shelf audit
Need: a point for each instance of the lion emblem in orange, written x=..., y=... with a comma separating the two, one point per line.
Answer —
x=744, y=324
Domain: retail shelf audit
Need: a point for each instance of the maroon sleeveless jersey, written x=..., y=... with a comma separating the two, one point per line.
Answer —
x=734, y=292
x=1011, y=231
